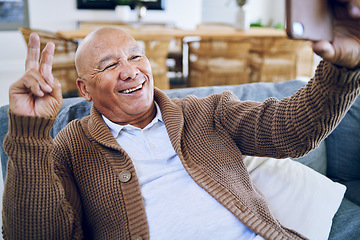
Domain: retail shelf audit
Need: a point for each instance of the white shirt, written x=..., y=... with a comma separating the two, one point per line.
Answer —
x=176, y=207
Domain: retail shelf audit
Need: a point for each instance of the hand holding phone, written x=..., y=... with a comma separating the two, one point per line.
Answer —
x=309, y=20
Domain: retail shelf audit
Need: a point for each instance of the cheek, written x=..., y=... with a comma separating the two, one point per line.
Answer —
x=105, y=82
x=146, y=67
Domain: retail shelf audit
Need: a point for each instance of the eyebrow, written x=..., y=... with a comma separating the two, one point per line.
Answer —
x=112, y=57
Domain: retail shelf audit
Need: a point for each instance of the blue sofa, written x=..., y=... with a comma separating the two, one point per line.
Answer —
x=338, y=157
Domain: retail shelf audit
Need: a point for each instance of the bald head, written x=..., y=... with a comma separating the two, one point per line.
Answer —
x=96, y=40
x=115, y=74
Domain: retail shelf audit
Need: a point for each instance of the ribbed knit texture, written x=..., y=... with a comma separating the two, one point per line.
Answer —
x=69, y=188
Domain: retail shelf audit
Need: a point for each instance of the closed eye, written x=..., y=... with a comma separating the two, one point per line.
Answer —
x=110, y=66
x=135, y=57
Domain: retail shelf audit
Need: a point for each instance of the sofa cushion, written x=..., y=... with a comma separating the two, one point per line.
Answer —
x=343, y=152
x=72, y=108
x=4, y=125
x=299, y=197
x=254, y=91
x=353, y=191
x=343, y=147
x=346, y=222
x=316, y=159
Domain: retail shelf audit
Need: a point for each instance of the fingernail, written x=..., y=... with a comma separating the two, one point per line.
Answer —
x=47, y=88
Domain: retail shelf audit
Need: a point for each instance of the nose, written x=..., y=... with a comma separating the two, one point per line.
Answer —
x=127, y=71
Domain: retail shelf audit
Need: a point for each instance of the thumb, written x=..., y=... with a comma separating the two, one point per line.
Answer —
x=324, y=49
x=57, y=91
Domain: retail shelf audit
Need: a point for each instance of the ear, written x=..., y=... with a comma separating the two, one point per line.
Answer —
x=81, y=84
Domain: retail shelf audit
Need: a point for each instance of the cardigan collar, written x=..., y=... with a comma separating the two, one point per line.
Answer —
x=171, y=113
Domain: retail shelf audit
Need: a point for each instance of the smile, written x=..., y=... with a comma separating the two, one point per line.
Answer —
x=131, y=90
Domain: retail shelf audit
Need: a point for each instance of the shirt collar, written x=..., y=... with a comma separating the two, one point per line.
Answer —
x=116, y=128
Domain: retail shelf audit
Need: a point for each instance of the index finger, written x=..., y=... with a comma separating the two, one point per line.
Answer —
x=33, y=54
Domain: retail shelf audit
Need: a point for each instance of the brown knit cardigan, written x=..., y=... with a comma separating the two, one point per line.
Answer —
x=69, y=187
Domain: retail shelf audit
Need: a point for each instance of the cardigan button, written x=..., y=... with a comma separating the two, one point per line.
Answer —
x=125, y=176
x=137, y=238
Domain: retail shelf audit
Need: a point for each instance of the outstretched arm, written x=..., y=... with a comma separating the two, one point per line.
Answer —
x=297, y=124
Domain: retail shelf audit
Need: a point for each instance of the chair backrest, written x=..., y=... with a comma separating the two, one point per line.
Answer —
x=279, y=59
x=61, y=45
x=157, y=50
x=220, y=47
x=218, y=62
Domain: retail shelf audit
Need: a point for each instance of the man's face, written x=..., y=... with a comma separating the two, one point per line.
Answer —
x=117, y=77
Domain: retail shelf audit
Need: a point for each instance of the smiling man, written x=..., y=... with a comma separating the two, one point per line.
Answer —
x=117, y=56
x=143, y=166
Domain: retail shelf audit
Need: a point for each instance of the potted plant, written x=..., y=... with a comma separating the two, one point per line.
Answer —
x=240, y=3
x=241, y=20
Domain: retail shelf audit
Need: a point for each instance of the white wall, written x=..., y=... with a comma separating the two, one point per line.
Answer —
x=54, y=15
x=270, y=12
x=57, y=15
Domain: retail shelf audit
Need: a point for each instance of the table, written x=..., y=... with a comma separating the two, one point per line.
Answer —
x=262, y=39
x=143, y=33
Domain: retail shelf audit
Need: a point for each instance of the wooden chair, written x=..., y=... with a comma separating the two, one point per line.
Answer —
x=218, y=62
x=305, y=62
x=278, y=59
x=156, y=50
x=161, y=51
x=64, y=58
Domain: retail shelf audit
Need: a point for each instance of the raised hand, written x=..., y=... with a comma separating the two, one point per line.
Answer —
x=345, y=48
x=37, y=92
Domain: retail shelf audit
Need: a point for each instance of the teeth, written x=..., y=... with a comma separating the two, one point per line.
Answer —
x=130, y=90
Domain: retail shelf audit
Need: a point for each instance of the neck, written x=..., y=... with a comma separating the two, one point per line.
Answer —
x=144, y=120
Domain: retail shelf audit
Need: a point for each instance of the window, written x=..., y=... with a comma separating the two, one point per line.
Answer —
x=13, y=14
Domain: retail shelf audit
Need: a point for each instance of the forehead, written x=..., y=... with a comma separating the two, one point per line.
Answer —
x=114, y=41
x=113, y=45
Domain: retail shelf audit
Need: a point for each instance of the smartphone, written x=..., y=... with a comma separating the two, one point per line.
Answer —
x=309, y=20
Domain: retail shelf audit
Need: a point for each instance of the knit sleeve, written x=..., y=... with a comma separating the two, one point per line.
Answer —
x=295, y=125
x=35, y=202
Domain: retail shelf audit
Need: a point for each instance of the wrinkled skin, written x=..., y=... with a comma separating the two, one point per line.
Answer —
x=111, y=71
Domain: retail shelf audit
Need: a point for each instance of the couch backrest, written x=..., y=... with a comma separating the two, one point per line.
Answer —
x=74, y=108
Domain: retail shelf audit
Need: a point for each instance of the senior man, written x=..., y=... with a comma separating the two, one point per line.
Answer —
x=143, y=166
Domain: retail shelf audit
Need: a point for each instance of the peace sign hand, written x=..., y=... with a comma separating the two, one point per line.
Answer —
x=37, y=92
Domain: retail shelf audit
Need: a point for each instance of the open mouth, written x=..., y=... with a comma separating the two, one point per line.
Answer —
x=131, y=90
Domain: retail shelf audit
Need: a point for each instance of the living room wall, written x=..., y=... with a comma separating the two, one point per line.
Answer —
x=56, y=15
